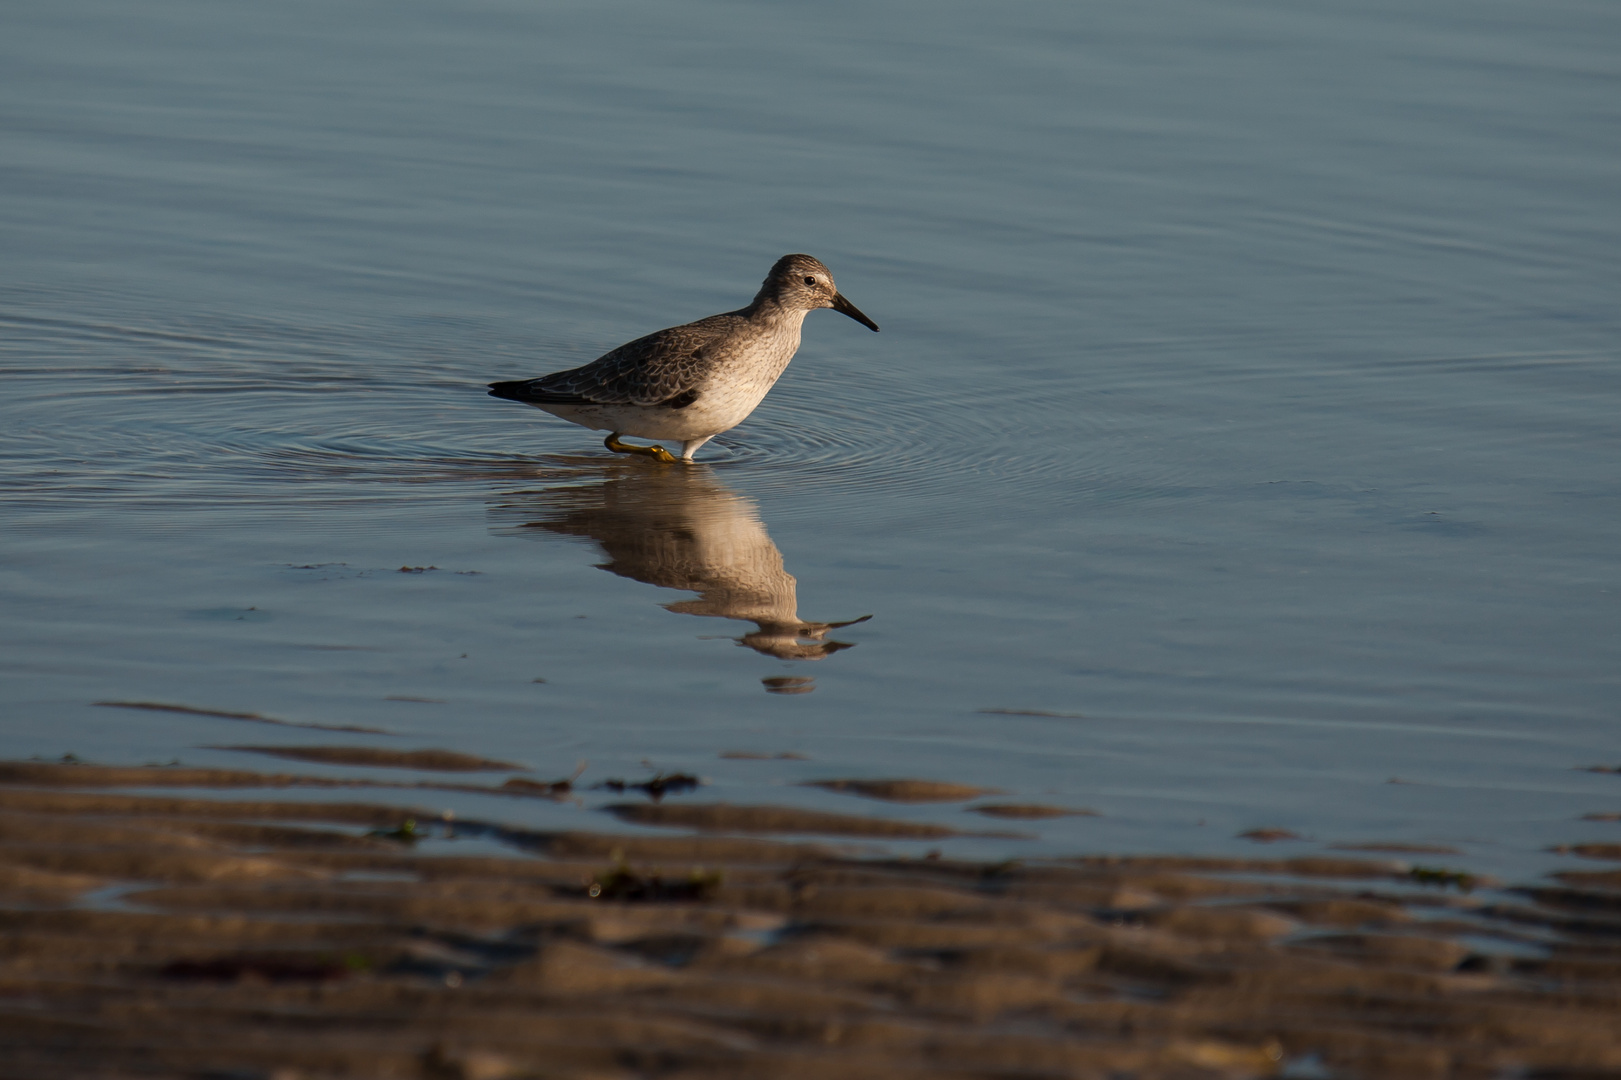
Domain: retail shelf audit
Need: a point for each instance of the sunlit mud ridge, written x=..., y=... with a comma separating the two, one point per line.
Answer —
x=182, y=936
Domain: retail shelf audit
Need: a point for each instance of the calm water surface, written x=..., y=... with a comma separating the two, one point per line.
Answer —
x=1242, y=436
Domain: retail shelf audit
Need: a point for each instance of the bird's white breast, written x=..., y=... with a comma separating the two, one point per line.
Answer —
x=744, y=371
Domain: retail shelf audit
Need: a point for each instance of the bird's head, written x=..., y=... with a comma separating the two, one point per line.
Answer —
x=801, y=283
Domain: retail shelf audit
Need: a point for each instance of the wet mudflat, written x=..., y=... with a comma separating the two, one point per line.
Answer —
x=177, y=935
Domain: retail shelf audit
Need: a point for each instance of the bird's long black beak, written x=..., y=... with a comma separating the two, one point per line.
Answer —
x=844, y=307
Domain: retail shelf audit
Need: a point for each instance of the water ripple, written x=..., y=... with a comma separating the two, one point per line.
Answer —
x=263, y=414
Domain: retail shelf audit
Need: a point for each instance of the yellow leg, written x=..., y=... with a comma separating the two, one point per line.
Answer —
x=657, y=453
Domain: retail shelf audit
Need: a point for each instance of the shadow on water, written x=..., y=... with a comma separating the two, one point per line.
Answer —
x=679, y=527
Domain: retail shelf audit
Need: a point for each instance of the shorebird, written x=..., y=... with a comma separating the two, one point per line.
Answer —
x=690, y=383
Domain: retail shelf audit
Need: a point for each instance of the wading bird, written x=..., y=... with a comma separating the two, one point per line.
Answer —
x=690, y=383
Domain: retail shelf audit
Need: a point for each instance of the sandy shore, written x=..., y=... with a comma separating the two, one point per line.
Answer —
x=221, y=936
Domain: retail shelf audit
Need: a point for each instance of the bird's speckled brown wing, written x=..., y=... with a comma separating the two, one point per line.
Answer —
x=648, y=371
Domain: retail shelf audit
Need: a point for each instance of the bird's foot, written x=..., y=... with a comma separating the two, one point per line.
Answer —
x=657, y=453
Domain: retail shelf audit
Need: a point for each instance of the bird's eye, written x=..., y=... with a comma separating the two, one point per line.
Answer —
x=810, y=281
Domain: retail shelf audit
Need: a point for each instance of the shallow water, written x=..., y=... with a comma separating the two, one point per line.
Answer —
x=1246, y=398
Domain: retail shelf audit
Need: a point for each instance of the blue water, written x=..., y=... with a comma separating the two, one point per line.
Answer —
x=1247, y=395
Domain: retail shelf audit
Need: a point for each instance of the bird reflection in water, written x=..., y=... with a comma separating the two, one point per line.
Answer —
x=684, y=529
